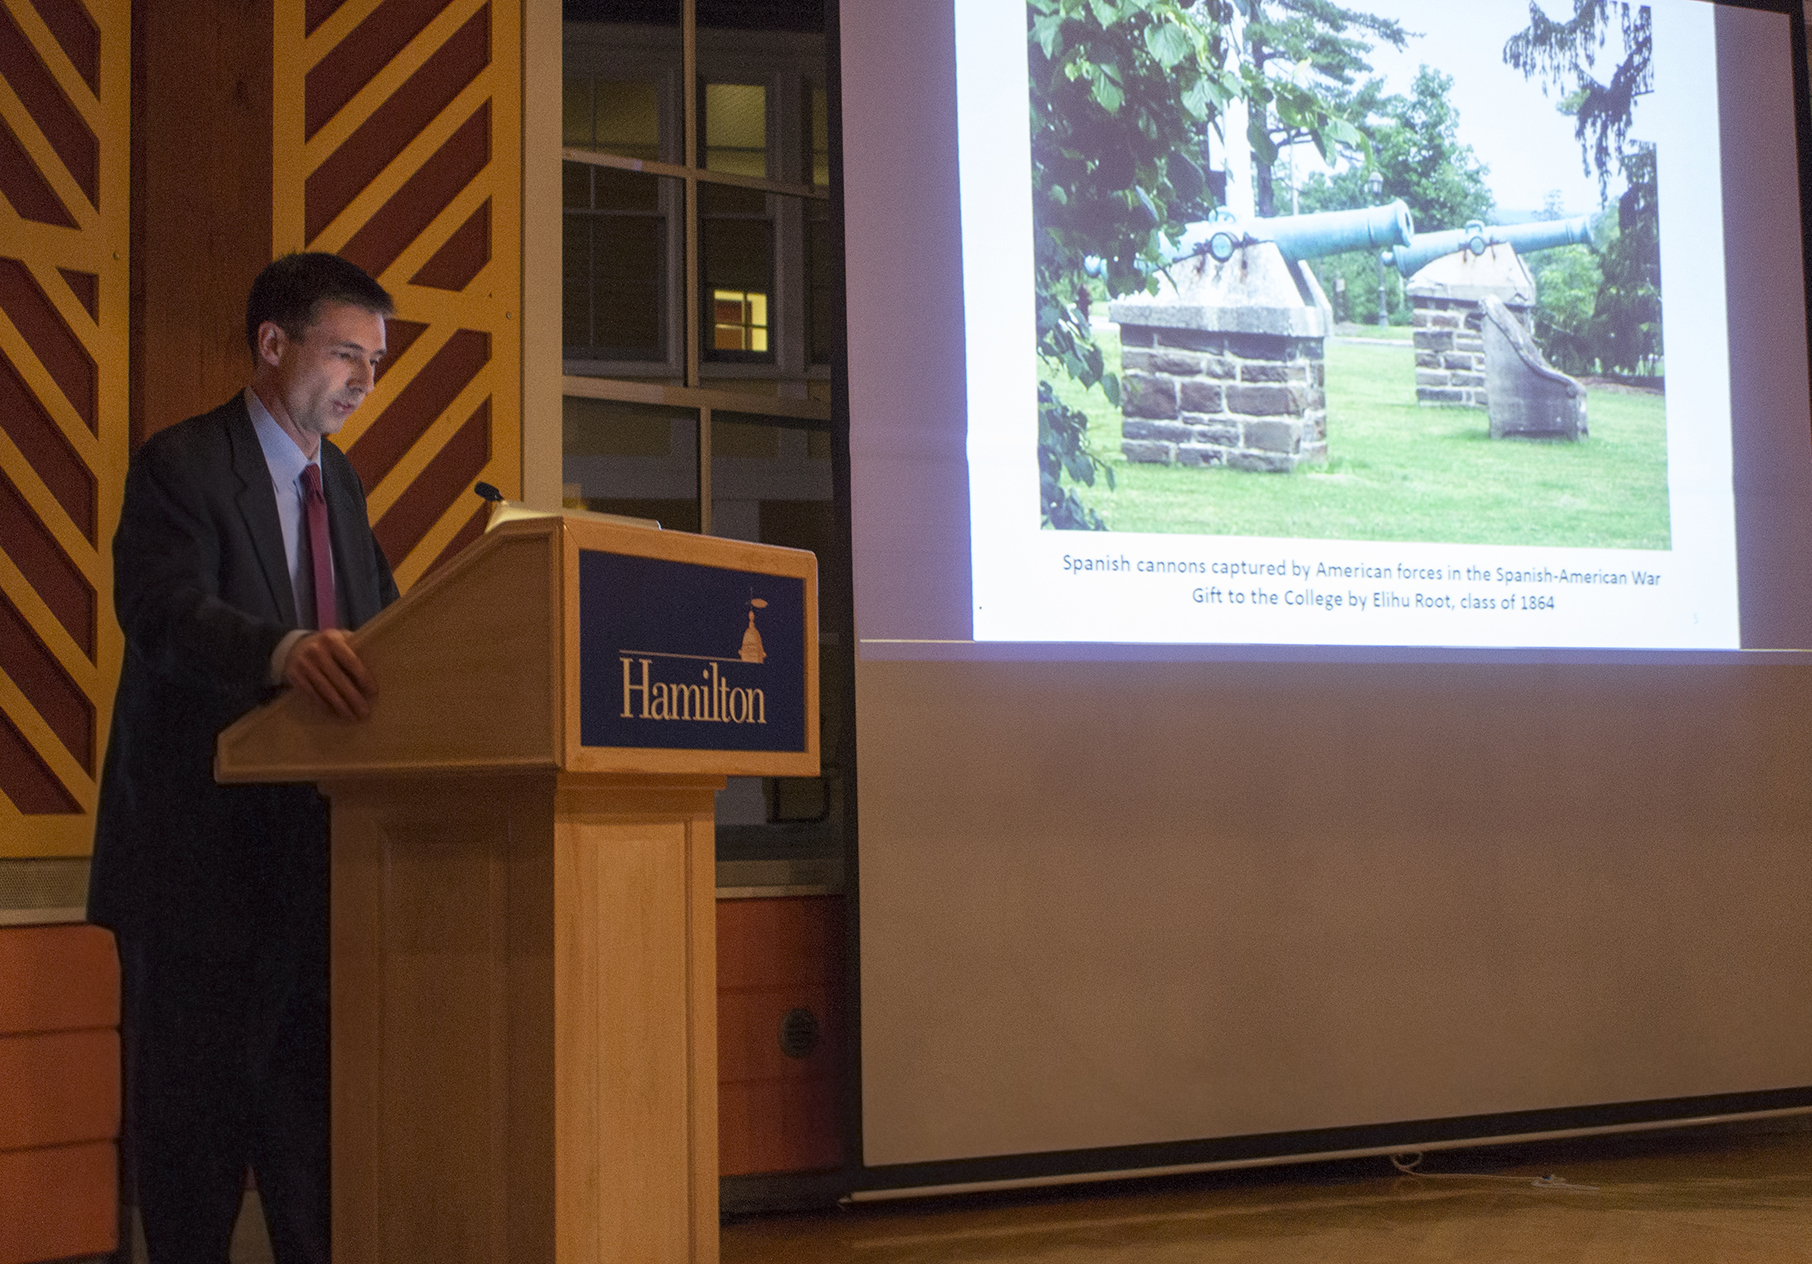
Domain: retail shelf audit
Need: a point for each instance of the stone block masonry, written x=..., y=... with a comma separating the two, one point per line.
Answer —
x=1450, y=352
x=1250, y=401
x=1447, y=297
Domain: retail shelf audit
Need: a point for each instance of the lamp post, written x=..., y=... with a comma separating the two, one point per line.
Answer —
x=1374, y=185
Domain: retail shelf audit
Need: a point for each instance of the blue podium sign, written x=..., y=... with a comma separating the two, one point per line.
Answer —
x=679, y=656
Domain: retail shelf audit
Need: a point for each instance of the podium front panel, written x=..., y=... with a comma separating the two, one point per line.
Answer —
x=689, y=654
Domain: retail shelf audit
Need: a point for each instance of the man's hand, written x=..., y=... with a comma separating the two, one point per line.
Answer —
x=324, y=665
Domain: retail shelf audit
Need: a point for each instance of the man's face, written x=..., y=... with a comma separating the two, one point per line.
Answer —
x=322, y=376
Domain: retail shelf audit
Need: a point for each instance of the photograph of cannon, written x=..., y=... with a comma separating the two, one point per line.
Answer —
x=1226, y=364
x=1475, y=355
x=1257, y=317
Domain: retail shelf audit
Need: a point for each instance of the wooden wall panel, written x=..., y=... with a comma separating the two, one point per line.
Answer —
x=56, y=1203
x=397, y=143
x=201, y=190
x=59, y=1091
x=65, y=87
x=779, y=1110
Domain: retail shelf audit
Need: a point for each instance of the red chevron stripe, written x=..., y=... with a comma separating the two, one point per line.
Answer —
x=394, y=124
x=424, y=195
x=317, y=12
x=356, y=60
x=471, y=531
x=429, y=393
x=63, y=126
x=462, y=257
x=46, y=685
x=46, y=567
x=77, y=35
x=31, y=428
x=50, y=338
x=25, y=187
x=399, y=336
x=437, y=488
x=27, y=780
x=86, y=286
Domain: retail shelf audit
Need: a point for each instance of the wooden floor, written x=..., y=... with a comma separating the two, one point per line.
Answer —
x=1732, y=1195
x=1708, y=1196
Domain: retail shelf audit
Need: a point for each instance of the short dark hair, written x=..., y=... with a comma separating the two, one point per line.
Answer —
x=289, y=289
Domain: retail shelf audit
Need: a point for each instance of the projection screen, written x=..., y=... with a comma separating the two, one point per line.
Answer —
x=1482, y=809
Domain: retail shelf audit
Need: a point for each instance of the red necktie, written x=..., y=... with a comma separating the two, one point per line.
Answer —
x=320, y=552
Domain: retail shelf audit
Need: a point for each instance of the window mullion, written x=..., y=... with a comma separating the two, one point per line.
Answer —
x=704, y=471
x=689, y=99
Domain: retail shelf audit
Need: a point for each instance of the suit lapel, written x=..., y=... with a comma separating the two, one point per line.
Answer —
x=258, y=506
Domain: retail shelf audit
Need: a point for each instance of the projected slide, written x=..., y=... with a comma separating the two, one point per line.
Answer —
x=1401, y=327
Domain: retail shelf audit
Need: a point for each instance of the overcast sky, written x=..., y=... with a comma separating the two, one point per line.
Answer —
x=1511, y=126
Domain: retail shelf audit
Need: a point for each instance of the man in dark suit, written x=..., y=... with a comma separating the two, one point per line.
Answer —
x=232, y=580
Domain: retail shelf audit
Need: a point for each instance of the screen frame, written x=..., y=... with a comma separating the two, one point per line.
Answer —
x=945, y=516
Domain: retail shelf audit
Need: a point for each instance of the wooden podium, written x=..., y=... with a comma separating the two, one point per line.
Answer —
x=523, y=971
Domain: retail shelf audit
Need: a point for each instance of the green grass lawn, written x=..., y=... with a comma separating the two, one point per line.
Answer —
x=1389, y=333
x=1399, y=471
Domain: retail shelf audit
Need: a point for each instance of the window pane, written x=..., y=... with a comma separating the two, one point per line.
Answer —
x=627, y=289
x=620, y=240
x=575, y=114
x=736, y=128
x=575, y=186
x=727, y=200
x=626, y=55
x=635, y=459
x=575, y=285
x=616, y=190
x=736, y=265
x=628, y=119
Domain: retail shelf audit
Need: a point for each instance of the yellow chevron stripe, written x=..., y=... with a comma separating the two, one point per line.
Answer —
x=291, y=16
x=38, y=35
x=44, y=740
x=353, y=115
x=39, y=382
x=424, y=304
x=98, y=245
x=45, y=159
x=82, y=250
x=391, y=487
x=441, y=534
x=491, y=302
x=372, y=197
x=432, y=339
x=94, y=563
x=89, y=678
x=434, y=236
x=23, y=836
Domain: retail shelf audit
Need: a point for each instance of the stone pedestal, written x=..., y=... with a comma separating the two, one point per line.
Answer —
x=1530, y=398
x=1449, y=321
x=1227, y=366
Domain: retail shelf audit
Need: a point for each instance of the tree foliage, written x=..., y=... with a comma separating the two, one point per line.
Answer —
x=1567, y=281
x=1626, y=320
x=1623, y=333
x=1564, y=57
x=1598, y=309
x=1122, y=92
x=1416, y=148
x=1307, y=74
